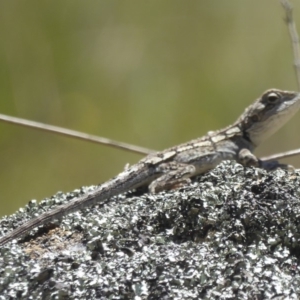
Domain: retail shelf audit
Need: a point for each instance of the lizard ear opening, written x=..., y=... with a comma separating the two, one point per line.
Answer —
x=254, y=118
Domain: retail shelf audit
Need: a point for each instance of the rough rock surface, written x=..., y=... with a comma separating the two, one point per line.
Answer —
x=232, y=234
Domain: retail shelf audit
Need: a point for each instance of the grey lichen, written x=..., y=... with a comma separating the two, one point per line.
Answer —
x=232, y=234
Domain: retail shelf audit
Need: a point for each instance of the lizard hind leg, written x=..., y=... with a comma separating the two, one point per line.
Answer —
x=174, y=175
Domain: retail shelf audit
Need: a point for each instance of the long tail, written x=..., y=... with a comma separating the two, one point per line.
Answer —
x=129, y=179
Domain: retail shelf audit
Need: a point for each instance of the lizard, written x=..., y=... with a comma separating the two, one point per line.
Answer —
x=175, y=166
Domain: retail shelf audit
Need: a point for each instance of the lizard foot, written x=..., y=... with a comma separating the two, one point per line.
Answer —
x=270, y=165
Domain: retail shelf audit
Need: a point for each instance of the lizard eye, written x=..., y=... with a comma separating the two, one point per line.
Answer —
x=272, y=97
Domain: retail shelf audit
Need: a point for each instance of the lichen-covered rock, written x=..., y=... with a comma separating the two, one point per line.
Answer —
x=232, y=234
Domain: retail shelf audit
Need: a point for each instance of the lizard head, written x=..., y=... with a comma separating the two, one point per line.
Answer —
x=268, y=113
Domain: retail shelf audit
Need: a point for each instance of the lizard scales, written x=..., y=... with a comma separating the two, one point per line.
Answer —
x=175, y=166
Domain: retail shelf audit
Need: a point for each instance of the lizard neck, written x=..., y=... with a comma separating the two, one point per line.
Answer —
x=235, y=133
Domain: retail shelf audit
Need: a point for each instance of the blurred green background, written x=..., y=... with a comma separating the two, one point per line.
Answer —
x=152, y=73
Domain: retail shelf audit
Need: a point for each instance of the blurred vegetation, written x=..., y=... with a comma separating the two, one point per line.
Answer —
x=153, y=73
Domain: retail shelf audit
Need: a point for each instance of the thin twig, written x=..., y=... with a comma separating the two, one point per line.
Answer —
x=281, y=155
x=74, y=134
x=294, y=37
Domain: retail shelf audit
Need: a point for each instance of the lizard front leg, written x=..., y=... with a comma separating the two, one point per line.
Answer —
x=247, y=158
x=173, y=175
